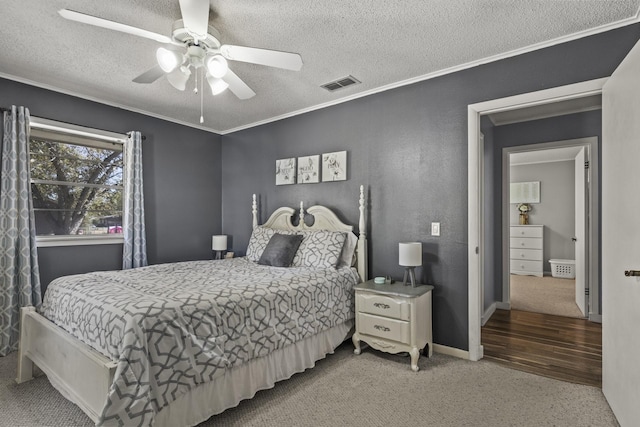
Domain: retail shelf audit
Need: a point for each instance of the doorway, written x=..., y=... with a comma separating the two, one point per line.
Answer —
x=476, y=258
x=560, y=275
x=508, y=319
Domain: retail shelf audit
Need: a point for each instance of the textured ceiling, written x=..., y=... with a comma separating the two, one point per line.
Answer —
x=382, y=44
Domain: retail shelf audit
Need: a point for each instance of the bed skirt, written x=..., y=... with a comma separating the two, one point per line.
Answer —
x=244, y=381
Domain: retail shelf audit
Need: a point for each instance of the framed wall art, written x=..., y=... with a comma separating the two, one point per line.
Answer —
x=524, y=192
x=334, y=166
x=309, y=169
x=286, y=171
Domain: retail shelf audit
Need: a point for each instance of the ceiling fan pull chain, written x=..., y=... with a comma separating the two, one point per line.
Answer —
x=195, y=86
x=201, y=97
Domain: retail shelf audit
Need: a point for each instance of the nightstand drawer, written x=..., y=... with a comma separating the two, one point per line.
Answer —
x=382, y=305
x=383, y=327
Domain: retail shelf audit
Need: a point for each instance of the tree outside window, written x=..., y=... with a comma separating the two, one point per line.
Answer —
x=76, y=185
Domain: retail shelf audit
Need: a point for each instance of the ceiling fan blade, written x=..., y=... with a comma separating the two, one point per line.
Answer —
x=195, y=15
x=271, y=58
x=237, y=86
x=110, y=25
x=150, y=76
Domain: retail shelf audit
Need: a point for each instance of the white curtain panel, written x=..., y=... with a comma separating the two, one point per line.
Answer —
x=19, y=277
x=134, y=253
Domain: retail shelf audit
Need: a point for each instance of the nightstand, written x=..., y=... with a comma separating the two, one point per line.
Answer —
x=394, y=318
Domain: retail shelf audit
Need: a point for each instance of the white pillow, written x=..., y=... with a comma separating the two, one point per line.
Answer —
x=319, y=249
x=348, y=250
x=260, y=237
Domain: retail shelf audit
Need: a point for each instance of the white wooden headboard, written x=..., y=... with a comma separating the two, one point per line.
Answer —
x=324, y=219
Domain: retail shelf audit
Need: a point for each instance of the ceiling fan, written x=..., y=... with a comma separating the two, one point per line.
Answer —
x=194, y=48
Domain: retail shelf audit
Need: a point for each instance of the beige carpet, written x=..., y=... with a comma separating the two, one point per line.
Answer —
x=547, y=295
x=373, y=389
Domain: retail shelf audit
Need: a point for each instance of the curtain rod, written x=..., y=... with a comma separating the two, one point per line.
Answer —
x=5, y=109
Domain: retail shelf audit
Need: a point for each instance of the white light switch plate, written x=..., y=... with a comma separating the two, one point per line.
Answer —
x=435, y=228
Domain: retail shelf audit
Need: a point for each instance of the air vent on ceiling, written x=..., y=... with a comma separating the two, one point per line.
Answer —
x=340, y=83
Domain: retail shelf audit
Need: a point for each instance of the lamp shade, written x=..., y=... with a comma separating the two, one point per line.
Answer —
x=410, y=254
x=219, y=243
x=217, y=66
x=179, y=77
x=217, y=85
x=168, y=60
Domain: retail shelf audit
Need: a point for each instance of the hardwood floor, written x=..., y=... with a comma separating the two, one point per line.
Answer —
x=563, y=348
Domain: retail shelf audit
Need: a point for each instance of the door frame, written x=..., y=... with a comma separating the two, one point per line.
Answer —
x=593, y=242
x=475, y=182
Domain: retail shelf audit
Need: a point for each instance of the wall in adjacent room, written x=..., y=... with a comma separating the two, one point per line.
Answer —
x=408, y=146
x=182, y=174
x=556, y=210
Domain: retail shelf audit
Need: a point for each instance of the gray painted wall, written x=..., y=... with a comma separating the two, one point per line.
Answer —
x=408, y=146
x=556, y=210
x=182, y=182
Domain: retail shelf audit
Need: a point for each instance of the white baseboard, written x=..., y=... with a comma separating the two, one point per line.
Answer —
x=451, y=351
x=597, y=318
x=501, y=305
x=488, y=313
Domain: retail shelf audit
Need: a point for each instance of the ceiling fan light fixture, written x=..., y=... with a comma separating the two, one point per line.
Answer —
x=217, y=66
x=179, y=77
x=217, y=85
x=168, y=60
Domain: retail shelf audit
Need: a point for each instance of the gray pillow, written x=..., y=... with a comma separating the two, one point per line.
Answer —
x=280, y=250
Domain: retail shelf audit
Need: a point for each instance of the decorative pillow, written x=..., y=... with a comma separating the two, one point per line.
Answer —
x=319, y=249
x=259, y=239
x=280, y=250
x=346, y=257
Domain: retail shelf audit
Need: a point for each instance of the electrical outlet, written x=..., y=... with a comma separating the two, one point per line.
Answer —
x=435, y=228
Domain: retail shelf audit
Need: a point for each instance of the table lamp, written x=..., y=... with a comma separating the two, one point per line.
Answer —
x=219, y=245
x=410, y=258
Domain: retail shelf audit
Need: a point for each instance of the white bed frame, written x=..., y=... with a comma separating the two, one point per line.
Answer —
x=83, y=376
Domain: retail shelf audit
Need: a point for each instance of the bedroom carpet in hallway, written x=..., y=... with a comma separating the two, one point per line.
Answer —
x=549, y=295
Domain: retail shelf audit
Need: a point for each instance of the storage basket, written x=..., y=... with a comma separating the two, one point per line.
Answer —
x=563, y=268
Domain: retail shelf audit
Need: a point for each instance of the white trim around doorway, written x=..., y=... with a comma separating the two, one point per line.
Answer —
x=476, y=182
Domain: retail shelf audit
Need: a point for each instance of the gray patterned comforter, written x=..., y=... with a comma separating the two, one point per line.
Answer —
x=171, y=327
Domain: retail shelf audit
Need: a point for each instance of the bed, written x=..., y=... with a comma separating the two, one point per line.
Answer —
x=173, y=344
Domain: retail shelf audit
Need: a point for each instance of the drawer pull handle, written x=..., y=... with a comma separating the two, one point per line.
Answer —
x=381, y=305
x=522, y=243
x=522, y=255
x=381, y=328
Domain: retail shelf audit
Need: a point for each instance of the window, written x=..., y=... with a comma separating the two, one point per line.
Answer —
x=76, y=183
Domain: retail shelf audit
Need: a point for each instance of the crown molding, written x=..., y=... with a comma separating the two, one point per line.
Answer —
x=531, y=48
x=104, y=102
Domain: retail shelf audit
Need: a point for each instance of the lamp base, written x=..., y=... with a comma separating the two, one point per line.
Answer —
x=411, y=273
x=218, y=255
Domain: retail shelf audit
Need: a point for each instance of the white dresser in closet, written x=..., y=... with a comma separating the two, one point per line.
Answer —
x=526, y=249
